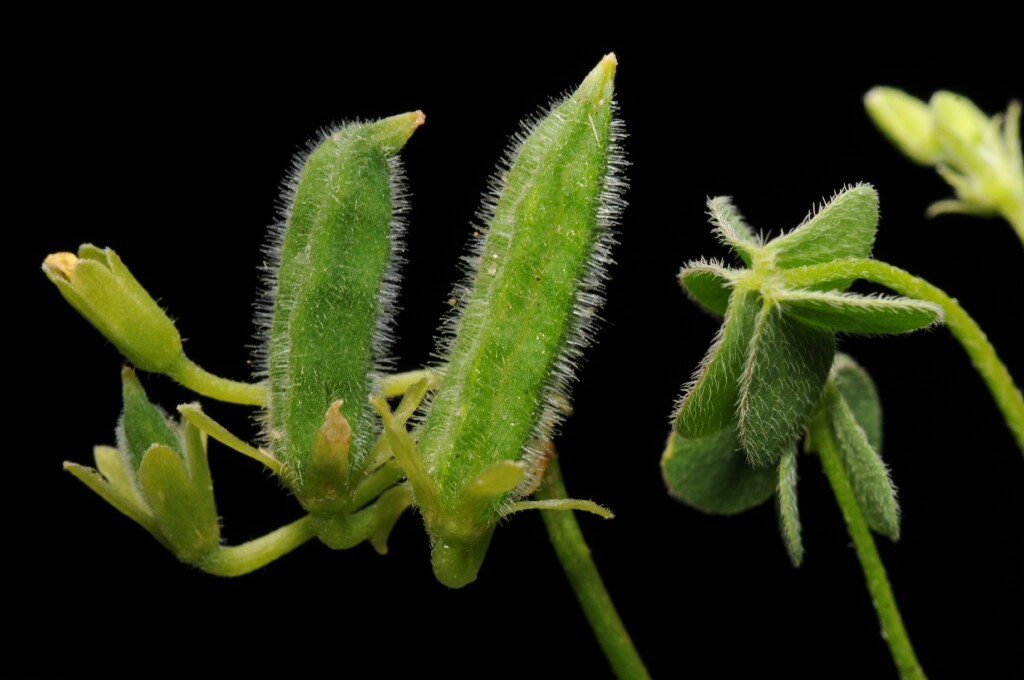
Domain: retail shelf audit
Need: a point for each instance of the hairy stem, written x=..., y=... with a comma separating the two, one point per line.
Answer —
x=242, y=559
x=893, y=631
x=992, y=370
x=202, y=382
x=574, y=554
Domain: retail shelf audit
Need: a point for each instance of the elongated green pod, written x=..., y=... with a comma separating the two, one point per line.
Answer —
x=525, y=313
x=326, y=321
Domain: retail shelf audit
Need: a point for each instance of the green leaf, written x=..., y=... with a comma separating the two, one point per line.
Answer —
x=732, y=229
x=868, y=475
x=858, y=389
x=179, y=513
x=142, y=424
x=710, y=402
x=707, y=283
x=786, y=368
x=789, y=513
x=712, y=474
x=849, y=313
x=844, y=227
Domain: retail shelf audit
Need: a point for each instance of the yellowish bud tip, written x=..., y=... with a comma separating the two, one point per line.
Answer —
x=64, y=263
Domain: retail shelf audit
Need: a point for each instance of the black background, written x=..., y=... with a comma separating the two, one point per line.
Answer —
x=171, y=151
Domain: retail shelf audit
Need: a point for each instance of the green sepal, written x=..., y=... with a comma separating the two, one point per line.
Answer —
x=732, y=229
x=711, y=473
x=709, y=405
x=181, y=513
x=858, y=389
x=789, y=513
x=849, y=313
x=844, y=227
x=124, y=502
x=142, y=423
x=869, y=477
x=204, y=506
x=118, y=471
x=708, y=284
x=786, y=368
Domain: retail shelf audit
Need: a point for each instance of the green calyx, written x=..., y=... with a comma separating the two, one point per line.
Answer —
x=328, y=326
x=768, y=373
x=159, y=476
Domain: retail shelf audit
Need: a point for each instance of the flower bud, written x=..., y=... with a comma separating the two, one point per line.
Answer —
x=962, y=127
x=98, y=285
x=907, y=121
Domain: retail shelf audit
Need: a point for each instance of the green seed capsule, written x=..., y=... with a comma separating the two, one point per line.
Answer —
x=524, y=316
x=327, y=327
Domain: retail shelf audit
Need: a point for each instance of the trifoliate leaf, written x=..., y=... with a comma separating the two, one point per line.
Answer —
x=712, y=474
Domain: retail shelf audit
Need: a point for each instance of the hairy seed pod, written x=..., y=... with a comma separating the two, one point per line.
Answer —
x=525, y=313
x=332, y=283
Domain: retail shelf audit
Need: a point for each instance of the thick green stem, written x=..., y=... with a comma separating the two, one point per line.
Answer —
x=893, y=631
x=242, y=559
x=207, y=384
x=586, y=582
x=972, y=338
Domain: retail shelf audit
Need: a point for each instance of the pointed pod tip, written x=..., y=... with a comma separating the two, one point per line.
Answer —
x=598, y=82
x=395, y=131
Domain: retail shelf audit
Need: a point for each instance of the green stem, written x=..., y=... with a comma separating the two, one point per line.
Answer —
x=1006, y=394
x=242, y=559
x=574, y=554
x=207, y=384
x=893, y=630
x=376, y=483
